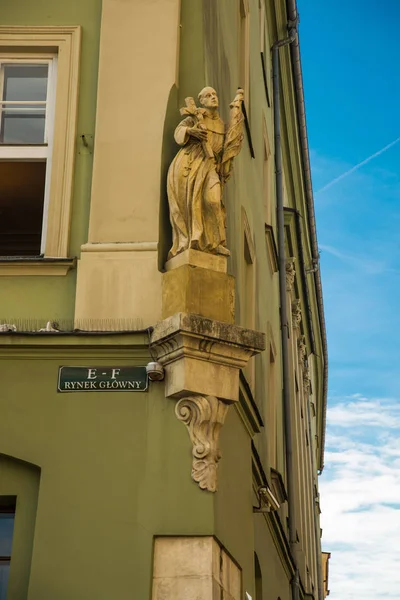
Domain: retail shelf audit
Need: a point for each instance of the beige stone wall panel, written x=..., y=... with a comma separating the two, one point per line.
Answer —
x=138, y=65
x=118, y=285
x=194, y=568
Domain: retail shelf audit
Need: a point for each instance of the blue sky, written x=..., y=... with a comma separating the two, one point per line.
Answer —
x=350, y=58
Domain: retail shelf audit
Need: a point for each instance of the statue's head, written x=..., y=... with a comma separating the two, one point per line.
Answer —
x=208, y=98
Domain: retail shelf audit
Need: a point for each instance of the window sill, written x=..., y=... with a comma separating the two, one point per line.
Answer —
x=17, y=265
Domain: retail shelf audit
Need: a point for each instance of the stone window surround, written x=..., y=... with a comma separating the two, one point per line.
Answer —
x=64, y=41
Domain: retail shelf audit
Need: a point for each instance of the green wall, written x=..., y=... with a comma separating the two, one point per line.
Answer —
x=115, y=472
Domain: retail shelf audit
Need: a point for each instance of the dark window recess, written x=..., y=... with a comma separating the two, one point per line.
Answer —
x=21, y=207
x=7, y=516
x=248, y=132
x=258, y=578
x=265, y=78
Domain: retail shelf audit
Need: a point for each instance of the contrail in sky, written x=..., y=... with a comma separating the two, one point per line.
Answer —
x=356, y=167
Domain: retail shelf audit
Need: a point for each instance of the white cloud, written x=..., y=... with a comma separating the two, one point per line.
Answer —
x=364, y=412
x=360, y=491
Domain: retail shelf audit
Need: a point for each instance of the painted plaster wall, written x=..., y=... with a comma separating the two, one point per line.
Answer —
x=49, y=297
x=115, y=472
x=124, y=460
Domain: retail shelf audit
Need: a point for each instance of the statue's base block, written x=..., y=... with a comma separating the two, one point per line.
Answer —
x=205, y=260
x=204, y=292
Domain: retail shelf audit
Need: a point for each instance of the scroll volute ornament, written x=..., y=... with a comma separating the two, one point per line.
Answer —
x=306, y=381
x=301, y=349
x=203, y=417
x=296, y=314
x=290, y=274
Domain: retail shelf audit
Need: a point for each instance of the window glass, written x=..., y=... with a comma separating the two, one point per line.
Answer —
x=22, y=186
x=6, y=536
x=6, y=533
x=25, y=82
x=4, y=575
x=23, y=104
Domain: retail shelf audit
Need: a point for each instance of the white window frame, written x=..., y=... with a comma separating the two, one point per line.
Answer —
x=44, y=151
x=61, y=45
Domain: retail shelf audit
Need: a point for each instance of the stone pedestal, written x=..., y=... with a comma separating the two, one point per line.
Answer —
x=199, y=291
x=194, y=568
x=197, y=283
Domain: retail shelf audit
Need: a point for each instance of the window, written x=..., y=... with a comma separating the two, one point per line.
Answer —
x=38, y=110
x=264, y=54
x=244, y=49
x=267, y=191
x=272, y=402
x=248, y=276
x=248, y=289
x=7, y=514
x=26, y=134
x=258, y=578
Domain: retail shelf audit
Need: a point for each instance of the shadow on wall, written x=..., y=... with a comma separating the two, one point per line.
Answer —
x=169, y=149
x=203, y=61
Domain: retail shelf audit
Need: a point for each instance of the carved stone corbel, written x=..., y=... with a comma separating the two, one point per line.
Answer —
x=203, y=356
x=301, y=349
x=296, y=314
x=202, y=359
x=203, y=417
x=290, y=274
x=306, y=381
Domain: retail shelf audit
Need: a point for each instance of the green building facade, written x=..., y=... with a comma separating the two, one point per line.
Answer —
x=100, y=496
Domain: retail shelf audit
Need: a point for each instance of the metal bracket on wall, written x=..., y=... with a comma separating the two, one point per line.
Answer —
x=85, y=143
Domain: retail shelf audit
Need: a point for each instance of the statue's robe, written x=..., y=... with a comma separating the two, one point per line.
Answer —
x=194, y=190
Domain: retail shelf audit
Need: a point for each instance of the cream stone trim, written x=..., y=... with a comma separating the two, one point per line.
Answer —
x=36, y=268
x=204, y=417
x=120, y=247
x=65, y=41
x=194, y=568
x=204, y=260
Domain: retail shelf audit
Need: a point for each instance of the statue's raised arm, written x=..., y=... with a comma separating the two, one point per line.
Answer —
x=234, y=136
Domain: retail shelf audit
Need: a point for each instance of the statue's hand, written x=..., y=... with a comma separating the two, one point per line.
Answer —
x=239, y=95
x=200, y=134
x=238, y=99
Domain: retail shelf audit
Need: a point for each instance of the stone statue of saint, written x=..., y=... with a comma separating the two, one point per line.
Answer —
x=199, y=171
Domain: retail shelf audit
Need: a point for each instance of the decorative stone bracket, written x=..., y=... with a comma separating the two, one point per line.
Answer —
x=202, y=360
x=290, y=273
x=204, y=417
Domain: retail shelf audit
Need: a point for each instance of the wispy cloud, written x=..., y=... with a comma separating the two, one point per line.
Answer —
x=360, y=491
x=365, y=263
x=358, y=166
